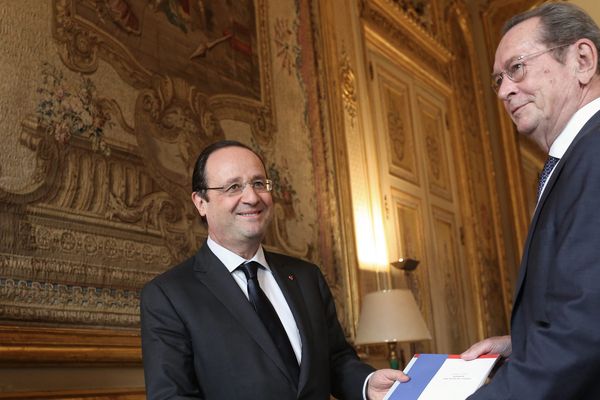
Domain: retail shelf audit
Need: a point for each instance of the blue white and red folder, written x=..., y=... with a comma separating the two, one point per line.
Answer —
x=442, y=376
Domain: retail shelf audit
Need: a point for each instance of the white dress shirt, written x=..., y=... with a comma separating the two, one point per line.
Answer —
x=267, y=283
x=566, y=137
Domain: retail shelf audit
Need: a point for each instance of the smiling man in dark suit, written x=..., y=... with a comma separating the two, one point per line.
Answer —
x=546, y=73
x=238, y=322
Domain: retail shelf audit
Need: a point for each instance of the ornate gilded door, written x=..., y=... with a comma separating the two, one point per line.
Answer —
x=418, y=183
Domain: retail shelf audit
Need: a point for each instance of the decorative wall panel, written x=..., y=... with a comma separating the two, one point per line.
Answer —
x=436, y=157
x=400, y=131
x=410, y=230
x=448, y=271
x=475, y=148
x=417, y=29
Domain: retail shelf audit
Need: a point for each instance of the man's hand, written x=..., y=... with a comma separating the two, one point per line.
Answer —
x=497, y=345
x=381, y=381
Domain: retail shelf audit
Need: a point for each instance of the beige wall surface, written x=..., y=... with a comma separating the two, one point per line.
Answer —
x=591, y=6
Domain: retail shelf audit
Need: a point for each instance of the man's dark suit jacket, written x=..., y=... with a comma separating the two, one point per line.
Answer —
x=201, y=338
x=555, y=320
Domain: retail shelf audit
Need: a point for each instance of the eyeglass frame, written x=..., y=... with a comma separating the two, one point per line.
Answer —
x=520, y=60
x=224, y=189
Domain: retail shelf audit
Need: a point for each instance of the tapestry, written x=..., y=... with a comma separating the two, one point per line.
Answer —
x=105, y=106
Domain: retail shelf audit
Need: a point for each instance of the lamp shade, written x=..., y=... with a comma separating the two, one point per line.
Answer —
x=390, y=316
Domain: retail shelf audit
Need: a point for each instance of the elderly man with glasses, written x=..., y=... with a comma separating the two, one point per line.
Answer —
x=238, y=322
x=546, y=74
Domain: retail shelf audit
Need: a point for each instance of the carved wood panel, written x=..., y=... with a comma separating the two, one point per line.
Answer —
x=410, y=232
x=400, y=132
x=489, y=273
x=448, y=279
x=432, y=127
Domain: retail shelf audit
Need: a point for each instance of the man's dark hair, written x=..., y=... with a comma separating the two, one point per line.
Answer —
x=561, y=24
x=199, y=183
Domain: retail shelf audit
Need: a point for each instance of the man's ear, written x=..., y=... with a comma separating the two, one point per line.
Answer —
x=587, y=60
x=200, y=203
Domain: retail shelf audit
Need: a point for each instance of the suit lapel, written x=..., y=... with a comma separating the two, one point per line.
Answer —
x=215, y=276
x=590, y=126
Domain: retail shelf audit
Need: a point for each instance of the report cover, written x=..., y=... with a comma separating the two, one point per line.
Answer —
x=442, y=376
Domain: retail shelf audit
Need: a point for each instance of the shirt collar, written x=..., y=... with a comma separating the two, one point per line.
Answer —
x=577, y=121
x=232, y=260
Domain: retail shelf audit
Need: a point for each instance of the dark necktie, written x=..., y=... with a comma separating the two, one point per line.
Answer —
x=548, y=167
x=269, y=317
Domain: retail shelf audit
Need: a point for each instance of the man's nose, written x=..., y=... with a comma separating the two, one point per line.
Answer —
x=507, y=87
x=249, y=193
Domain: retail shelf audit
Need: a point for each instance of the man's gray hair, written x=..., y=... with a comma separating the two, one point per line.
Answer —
x=561, y=24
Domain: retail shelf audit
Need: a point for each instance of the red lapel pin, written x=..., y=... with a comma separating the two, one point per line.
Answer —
x=291, y=277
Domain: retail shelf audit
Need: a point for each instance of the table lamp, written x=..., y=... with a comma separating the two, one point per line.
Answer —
x=390, y=316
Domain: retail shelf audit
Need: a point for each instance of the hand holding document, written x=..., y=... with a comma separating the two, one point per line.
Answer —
x=442, y=376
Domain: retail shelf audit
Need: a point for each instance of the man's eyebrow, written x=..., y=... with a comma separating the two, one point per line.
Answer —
x=506, y=65
x=237, y=179
x=230, y=181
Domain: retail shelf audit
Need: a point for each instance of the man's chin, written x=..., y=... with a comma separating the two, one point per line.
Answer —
x=524, y=129
x=256, y=233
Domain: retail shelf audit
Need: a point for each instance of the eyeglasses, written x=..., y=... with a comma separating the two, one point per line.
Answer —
x=516, y=69
x=236, y=188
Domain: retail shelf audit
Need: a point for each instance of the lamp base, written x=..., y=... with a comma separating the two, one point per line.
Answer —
x=395, y=362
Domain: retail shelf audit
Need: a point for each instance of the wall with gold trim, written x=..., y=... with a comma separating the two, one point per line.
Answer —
x=435, y=41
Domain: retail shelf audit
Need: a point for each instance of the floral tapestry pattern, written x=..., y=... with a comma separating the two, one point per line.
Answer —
x=66, y=110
